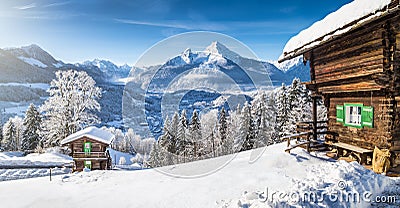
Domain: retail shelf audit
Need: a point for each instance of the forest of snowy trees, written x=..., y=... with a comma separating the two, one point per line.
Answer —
x=270, y=116
x=71, y=106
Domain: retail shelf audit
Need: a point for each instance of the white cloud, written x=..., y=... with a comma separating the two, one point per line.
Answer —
x=25, y=7
x=187, y=25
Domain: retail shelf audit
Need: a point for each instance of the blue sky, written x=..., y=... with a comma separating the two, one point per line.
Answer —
x=120, y=31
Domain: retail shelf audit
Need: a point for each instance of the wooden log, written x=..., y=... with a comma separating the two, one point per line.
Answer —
x=357, y=48
x=373, y=55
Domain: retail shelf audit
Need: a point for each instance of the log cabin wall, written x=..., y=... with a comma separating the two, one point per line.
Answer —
x=396, y=86
x=77, y=145
x=362, y=66
x=364, y=137
x=99, y=161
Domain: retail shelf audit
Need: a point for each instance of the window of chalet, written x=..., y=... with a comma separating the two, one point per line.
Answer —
x=355, y=115
x=87, y=147
x=88, y=164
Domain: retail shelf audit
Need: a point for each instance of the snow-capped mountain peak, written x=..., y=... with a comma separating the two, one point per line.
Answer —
x=187, y=56
x=217, y=48
x=108, y=68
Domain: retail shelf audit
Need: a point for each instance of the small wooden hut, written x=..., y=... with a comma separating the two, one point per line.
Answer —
x=89, y=148
x=354, y=56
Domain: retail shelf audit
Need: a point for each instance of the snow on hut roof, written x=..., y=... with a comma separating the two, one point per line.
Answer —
x=90, y=132
x=344, y=19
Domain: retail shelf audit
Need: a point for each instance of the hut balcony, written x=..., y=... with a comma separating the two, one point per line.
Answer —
x=89, y=155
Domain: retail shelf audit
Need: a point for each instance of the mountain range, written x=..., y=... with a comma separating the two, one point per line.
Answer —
x=26, y=72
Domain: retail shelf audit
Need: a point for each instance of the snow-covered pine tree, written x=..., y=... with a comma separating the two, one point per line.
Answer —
x=165, y=143
x=247, y=128
x=260, y=119
x=154, y=158
x=173, y=129
x=9, y=134
x=300, y=104
x=234, y=129
x=208, y=126
x=32, y=122
x=282, y=105
x=70, y=107
x=222, y=125
x=182, y=139
x=270, y=113
x=226, y=142
x=195, y=135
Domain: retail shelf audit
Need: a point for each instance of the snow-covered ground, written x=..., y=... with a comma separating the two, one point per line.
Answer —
x=43, y=86
x=33, y=61
x=237, y=184
x=29, y=163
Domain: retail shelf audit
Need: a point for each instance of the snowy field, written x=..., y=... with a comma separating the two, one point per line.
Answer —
x=28, y=163
x=238, y=184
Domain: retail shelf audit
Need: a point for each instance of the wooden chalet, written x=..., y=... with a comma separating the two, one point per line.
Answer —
x=355, y=69
x=89, y=148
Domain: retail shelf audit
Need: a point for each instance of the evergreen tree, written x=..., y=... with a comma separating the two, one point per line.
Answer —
x=173, y=129
x=32, y=124
x=283, y=108
x=264, y=112
x=165, y=144
x=300, y=104
x=182, y=139
x=9, y=135
x=222, y=125
x=154, y=158
x=226, y=142
x=247, y=128
x=270, y=113
x=195, y=135
x=210, y=141
x=235, y=129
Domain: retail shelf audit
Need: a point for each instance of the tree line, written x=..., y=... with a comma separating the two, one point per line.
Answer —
x=268, y=117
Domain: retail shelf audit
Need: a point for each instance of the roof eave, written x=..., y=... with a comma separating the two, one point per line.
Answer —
x=354, y=25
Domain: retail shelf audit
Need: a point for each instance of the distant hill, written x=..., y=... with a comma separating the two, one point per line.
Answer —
x=26, y=73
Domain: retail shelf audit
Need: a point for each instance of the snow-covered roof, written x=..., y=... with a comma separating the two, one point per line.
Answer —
x=348, y=17
x=92, y=133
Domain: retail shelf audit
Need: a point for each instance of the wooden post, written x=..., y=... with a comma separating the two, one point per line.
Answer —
x=50, y=174
x=315, y=116
x=308, y=143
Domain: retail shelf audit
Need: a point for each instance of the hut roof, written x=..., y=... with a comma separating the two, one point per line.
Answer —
x=348, y=17
x=92, y=133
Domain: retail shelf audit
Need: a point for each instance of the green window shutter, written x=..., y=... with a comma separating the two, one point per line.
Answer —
x=339, y=113
x=367, y=116
x=87, y=147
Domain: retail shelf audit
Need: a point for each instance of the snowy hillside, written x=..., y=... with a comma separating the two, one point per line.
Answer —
x=35, y=56
x=237, y=184
x=26, y=73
